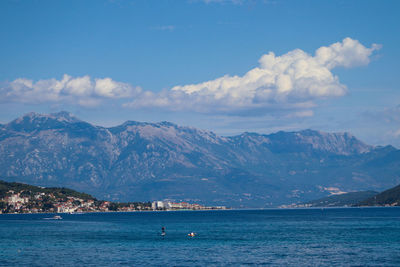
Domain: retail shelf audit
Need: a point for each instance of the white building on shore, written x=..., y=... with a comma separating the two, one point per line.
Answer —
x=158, y=205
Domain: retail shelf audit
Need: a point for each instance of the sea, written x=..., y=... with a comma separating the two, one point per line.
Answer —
x=273, y=237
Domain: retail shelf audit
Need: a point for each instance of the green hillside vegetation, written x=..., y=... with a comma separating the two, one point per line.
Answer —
x=23, y=198
x=390, y=197
x=30, y=190
x=342, y=200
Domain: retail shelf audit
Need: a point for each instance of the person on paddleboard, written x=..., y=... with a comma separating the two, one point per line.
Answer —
x=162, y=231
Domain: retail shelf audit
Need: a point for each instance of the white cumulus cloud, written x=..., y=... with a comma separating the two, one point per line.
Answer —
x=83, y=90
x=289, y=84
x=290, y=81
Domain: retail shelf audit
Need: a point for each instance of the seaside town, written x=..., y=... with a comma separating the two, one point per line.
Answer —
x=22, y=198
x=167, y=205
x=22, y=202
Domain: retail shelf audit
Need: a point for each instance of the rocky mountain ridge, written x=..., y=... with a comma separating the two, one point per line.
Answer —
x=138, y=161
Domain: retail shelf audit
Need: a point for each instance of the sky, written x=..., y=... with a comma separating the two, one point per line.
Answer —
x=226, y=66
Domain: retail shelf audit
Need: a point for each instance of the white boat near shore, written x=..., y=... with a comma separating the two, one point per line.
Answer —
x=55, y=217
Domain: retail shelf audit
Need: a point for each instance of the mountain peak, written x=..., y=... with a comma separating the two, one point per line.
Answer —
x=60, y=116
x=142, y=124
x=33, y=121
x=167, y=124
x=339, y=143
x=30, y=115
x=64, y=116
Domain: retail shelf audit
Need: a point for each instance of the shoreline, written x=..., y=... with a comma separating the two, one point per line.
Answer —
x=211, y=210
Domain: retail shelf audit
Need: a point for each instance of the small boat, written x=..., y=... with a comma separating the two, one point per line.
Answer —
x=192, y=234
x=55, y=217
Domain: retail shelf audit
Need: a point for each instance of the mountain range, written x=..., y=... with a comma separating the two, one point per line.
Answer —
x=138, y=161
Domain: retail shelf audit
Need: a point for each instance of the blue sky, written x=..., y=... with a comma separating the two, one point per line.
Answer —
x=205, y=64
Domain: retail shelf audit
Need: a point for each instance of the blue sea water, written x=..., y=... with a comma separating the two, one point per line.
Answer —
x=297, y=237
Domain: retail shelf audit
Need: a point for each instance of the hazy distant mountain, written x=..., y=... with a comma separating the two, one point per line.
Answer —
x=341, y=200
x=146, y=161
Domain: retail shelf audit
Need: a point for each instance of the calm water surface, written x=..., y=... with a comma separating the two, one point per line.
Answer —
x=302, y=237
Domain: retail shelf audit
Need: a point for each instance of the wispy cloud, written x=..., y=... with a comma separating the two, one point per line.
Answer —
x=387, y=115
x=380, y=124
x=164, y=28
x=236, y=2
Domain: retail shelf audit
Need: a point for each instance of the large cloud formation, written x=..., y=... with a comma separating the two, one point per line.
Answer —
x=290, y=82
